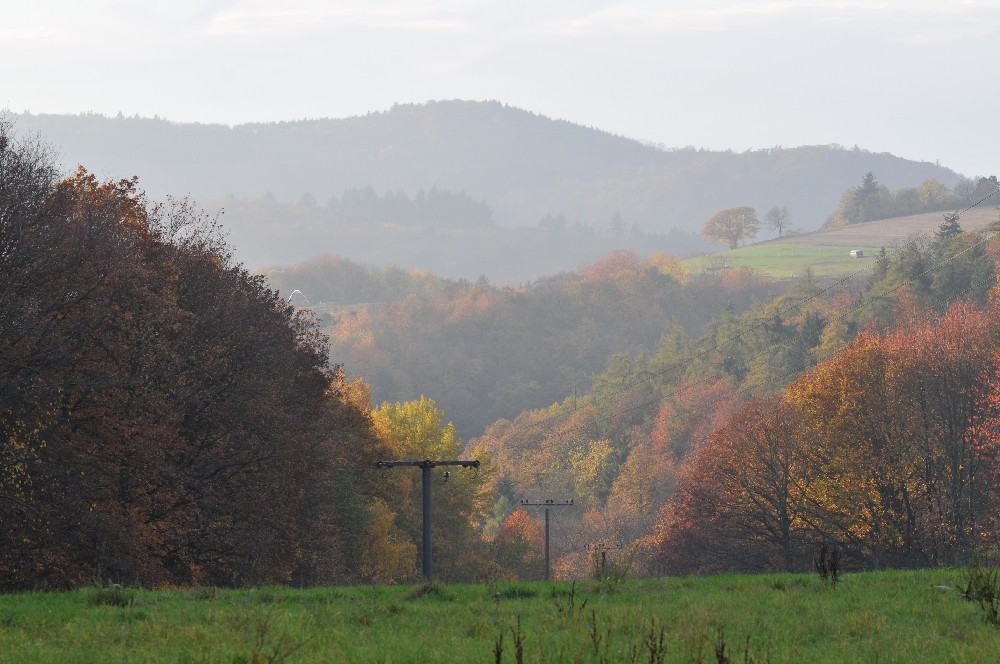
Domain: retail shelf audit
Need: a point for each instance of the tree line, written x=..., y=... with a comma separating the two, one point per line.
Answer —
x=859, y=414
x=868, y=201
x=887, y=451
x=167, y=419
x=450, y=236
x=872, y=200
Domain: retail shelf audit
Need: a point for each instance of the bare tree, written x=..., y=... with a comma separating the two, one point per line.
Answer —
x=778, y=219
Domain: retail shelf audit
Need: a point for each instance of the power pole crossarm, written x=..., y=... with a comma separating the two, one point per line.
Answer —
x=474, y=463
x=425, y=465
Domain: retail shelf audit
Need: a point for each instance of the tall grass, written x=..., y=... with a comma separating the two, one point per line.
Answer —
x=883, y=616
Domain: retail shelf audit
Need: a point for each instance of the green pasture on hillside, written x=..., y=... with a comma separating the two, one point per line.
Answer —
x=869, y=617
x=785, y=261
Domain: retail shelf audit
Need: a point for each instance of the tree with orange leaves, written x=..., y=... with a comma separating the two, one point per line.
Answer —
x=741, y=501
x=893, y=417
x=519, y=546
x=732, y=226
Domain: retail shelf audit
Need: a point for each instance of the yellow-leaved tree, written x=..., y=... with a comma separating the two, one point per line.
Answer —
x=417, y=431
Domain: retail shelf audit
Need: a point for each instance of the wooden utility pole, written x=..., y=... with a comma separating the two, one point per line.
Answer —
x=547, y=504
x=426, y=465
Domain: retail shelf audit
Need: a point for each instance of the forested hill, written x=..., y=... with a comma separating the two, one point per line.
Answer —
x=485, y=353
x=523, y=165
x=167, y=420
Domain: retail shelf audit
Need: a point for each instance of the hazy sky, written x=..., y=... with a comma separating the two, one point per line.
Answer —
x=917, y=78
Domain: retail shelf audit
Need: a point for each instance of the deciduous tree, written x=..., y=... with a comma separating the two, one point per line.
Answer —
x=778, y=219
x=164, y=417
x=732, y=227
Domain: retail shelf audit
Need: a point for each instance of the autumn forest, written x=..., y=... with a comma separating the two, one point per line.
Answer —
x=169, y=417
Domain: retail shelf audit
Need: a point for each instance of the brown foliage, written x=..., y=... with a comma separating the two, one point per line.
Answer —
x=732, y=226
x=164, y=417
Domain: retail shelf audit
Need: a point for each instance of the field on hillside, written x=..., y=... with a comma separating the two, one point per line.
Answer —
x=828, y=253
x=868, y=617
x=888, y=233
x=786, y=261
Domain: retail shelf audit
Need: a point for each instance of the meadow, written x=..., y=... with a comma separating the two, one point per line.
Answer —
x=892, y=616
x=826, y=253
x=786, y=261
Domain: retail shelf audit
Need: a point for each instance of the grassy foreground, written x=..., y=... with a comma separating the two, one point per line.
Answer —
x=869, y=617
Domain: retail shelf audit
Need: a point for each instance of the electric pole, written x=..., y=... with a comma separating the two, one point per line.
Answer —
x=602, y=548
x=425, y=467
x=547, y=504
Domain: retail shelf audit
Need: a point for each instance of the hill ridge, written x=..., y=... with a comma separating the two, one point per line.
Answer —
x=523, y=164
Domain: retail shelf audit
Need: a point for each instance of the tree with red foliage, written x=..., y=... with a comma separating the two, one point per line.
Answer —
x=741, y=502
x=518, y=547
x=893, y=416
x=888, y=449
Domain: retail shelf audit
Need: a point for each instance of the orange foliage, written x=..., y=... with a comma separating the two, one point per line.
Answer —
x=355, y=327
x=696, y=409
x=520, y=525
x=619, y=265
x=669, y=265
x=736, y=278
x=475, y=300
x=889, y=449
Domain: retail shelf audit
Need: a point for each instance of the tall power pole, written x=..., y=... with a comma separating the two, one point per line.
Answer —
x=425, y=466
x=547, y=504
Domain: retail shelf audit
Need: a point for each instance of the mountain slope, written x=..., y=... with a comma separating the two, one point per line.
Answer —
x=522, y=164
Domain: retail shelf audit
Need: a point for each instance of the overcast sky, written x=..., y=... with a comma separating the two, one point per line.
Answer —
x=917, y=78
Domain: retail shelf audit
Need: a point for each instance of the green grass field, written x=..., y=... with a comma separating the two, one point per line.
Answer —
x=868, y=617
x=783, y=261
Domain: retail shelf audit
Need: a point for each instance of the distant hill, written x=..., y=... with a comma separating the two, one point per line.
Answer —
x=384, y=231
x=521, y=164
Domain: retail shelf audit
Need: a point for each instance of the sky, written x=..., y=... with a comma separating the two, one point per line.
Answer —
x=916, y=78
